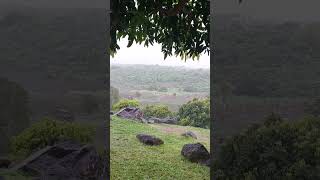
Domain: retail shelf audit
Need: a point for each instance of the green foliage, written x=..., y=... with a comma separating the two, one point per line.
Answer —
x=159, y=111
x=126, y=103
x=280, y=151
x=48, y=132
x=185, y=121
x=195, y=113
x=313, y=108
x=273, y=119
x=181, y=28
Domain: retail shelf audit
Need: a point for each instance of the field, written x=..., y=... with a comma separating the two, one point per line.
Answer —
x=153, y=84
x=132, y=160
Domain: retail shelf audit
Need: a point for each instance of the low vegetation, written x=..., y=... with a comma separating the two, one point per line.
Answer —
x=125, y=103
x=48, y=132
x=159, y=111
x=195, y=113
x=130, y=159
x=275, y=150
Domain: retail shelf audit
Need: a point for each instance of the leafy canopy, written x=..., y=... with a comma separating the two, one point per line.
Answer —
x=278, y=150
x=181, y=27
x=195, y=113
x=159, y=111
x=123, y=103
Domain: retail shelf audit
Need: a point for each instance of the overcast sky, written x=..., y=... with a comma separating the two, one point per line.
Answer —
x=152, y=55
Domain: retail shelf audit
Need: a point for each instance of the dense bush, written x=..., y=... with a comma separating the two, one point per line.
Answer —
x=48, y=132
x=125, y=103
x=281, y=150
x=195, y=113
x=159, y=111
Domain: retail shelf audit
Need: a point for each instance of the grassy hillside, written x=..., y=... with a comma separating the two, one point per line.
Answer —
x=130, y=159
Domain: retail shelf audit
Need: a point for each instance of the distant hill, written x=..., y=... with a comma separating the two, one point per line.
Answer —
x=159, y=78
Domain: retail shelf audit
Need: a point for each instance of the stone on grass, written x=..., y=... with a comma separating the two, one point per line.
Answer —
x=189, y=134
x=196, y=153
x=167, y=120
x=149, y=140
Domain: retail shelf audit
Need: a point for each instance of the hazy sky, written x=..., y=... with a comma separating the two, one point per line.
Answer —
x=138, y=54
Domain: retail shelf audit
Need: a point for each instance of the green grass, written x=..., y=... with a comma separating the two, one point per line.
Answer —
x=130, y=159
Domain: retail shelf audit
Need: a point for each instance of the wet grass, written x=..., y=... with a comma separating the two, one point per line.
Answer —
x=130, y=159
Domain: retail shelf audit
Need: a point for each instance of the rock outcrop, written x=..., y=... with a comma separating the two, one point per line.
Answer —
x=189, y=134
x=167, y=120
x=67, y=160
x=196, y=153
x=149, y=140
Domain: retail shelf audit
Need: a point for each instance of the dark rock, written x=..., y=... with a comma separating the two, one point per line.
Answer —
x=189, y=134
x=66, y=160
x=149, y=140
x=130, y=113
x=167, y=120
x=196, y=153
x=4, y=163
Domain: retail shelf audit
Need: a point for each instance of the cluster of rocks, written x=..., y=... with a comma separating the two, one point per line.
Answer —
x=66, y=160
x=195, y=153
x=136, y=114
x=130, y=113
x=167, y=120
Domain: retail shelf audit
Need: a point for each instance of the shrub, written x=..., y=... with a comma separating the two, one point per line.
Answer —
x=280, y=151
x=195, y=113
x=125, y=103
x=159, y=111
x=48, y=132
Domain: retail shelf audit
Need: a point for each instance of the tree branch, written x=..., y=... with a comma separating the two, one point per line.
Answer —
x=173, y=11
